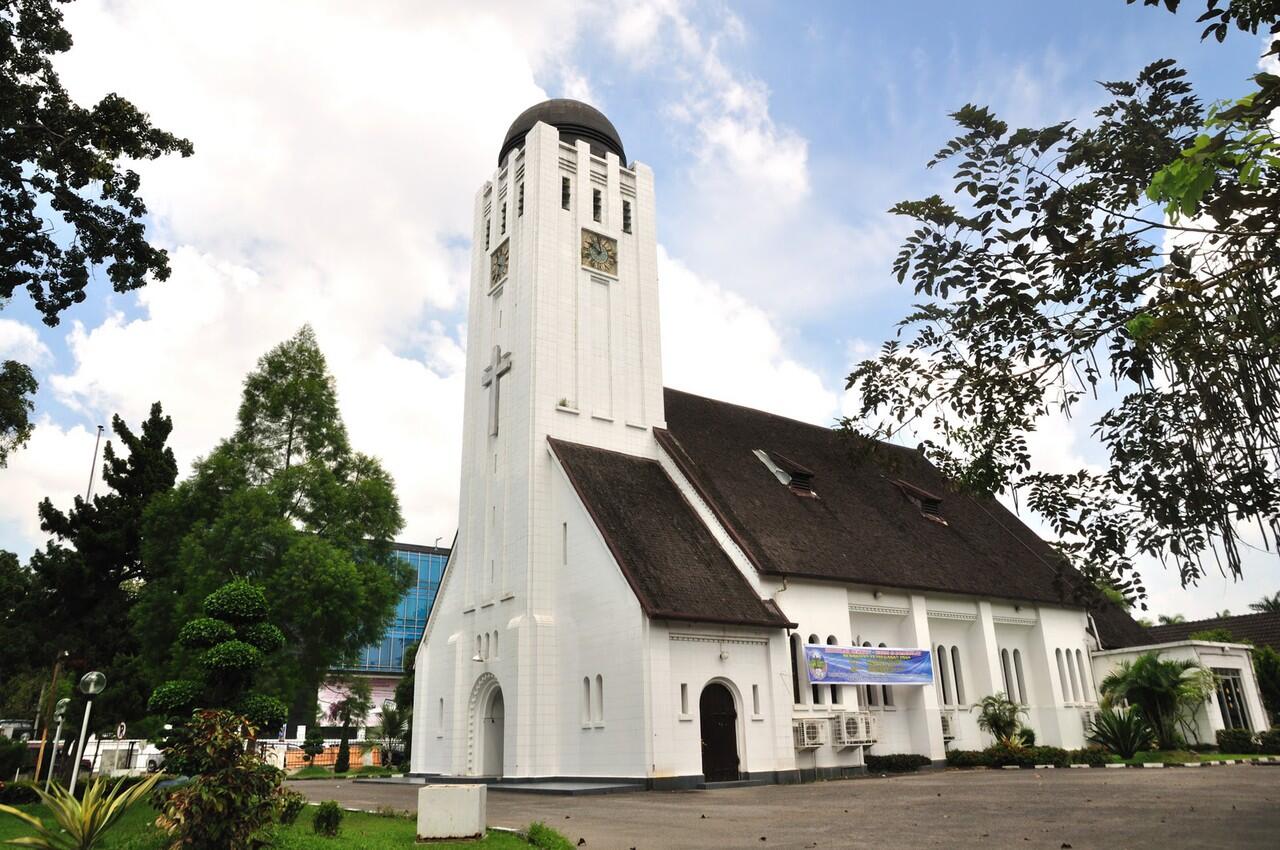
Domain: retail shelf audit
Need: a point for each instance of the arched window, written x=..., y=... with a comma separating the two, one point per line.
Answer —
x=817, y=689
x=1075, y=682
x=485, y=655
x=599, y=718
x=940, y=658
x=440, y=717
x=1004, y=671
x=1017, y=669
x=796, y=652
x=886, y=692
x=1086, y=687
x=835, y=689
x=870, y=693
x=956, y=675
x=495, y=644
x=479, y=654
x=586, y=700
x=1062, y=675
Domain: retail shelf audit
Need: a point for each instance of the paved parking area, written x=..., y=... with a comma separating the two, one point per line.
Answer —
x=1215, y=807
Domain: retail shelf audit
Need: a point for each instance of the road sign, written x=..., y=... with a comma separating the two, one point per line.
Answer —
x=120, y=730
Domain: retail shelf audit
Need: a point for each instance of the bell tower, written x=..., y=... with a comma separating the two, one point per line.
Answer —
x=562, y=341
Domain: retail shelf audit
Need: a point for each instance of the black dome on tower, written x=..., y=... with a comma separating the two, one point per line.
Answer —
x=574, y=119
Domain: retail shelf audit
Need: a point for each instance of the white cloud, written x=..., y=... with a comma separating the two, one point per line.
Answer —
x=21, y=342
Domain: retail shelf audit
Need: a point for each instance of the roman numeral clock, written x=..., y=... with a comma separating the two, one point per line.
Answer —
x=599, y=252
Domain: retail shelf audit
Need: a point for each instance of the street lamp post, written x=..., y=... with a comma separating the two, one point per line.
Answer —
x=59, y=713
x=90, y=685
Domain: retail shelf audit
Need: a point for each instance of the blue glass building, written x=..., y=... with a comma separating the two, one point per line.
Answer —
x=405, y=630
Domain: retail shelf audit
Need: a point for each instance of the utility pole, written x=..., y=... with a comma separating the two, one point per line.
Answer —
x=93, y=466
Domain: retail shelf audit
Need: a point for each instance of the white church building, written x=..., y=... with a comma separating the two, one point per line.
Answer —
x=637, y=570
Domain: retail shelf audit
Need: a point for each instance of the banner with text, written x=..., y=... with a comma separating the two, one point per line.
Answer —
x=868, y=665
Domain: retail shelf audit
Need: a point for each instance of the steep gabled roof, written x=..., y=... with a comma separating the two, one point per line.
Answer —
x=675, y=567
x=865, y=526
x=1259, y=629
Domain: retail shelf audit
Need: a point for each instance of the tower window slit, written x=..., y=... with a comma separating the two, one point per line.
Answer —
x=486, y=235
x=564, y=193
x=502, y=226
x=520, y=200
x=597, y=205
x=626, y=216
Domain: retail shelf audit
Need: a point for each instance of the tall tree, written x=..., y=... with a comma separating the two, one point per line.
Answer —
x=286, y=504
x=86, y=580
x=68, y=202
x=1133, y=261
x=1267, y=604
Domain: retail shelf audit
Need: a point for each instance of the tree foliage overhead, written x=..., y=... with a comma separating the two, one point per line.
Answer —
x=1054, y=278
x=284, y=503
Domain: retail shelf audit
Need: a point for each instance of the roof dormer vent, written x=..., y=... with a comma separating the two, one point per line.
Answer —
x=930, y=505
x=797, y=477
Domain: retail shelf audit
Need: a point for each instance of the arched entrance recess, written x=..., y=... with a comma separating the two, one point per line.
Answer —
x=486, y=728
x=719, y=718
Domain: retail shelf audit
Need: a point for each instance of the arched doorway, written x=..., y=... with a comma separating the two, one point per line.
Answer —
x=492, y=734
x=719, y=718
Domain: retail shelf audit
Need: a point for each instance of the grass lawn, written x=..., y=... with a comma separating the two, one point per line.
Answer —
x=316, y=772
x=1179, y=757
x=360, y=831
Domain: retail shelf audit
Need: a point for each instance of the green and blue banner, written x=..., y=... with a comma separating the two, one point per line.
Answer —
x=868, y=665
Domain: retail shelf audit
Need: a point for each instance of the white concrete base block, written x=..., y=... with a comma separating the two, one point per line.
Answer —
x=451, y=811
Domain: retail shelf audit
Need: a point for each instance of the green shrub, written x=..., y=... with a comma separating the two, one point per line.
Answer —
x=968, y=758
x=204, y=632
x=1090, y=755
x=1122, y=731
x=313, y=744
x=1028, y=736
x=264, y=636
x=328, y=819
x=1269, y=742
x=174, y=697
x=265, y=713
x=1236, y=741
x=1002, y=755
x=998, y=715
x=291, y=805
x=18, y=793
x=12, y=755
x=545, y=838
x=897, y=763
x=237, y=602
x=232, y=655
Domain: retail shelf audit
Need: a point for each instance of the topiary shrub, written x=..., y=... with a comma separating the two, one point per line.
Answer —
x=204, y=632
x=543, y=837
x=313, y=744
x=1091, y=756
x=237, y=601
x=265, y=713
x=968, y=758
x=1028, y=736
x=1269, y=742
x=1236, y=741
x=328, y=819
x=232, y=656
x=897, y=763
x=291, y=805
x=264, y=636
x=173, y=698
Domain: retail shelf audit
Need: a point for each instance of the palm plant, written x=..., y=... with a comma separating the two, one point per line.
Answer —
x=998, y=715
x=81, y=824
x=1123, y=731
x=1267, y=604
x=351, y=710
x=392, y=731
x=1170, y=619
x=1166, y=692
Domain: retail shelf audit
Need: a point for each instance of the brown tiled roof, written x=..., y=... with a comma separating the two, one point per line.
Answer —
x=1259, y=629
x=862, y=527
x=675, y=567
x=1116, y=628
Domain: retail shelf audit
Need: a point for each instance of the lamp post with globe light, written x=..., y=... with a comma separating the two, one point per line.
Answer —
x=59, y=714
x=91, y=684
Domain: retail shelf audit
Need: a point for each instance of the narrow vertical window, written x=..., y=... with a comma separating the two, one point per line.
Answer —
x=835, y=689
x=957, y=678
x=599, y=698
x=1017, y=670
x=495, y=644
x=520, y=200
x=478, y=655
x=796, y=652
x=486, y=235
x=1062, y=676
x=502, y=226
x=564, y=193
x=564, y=543
x=586, y=700
x=486, y=646
x=626, y=216
x=870, y=693
x=1071, y=671
x=755, y=700
x=597, y=205
x=684, y=698
x=440, y=715
x=1086, y=689
x=941, y=655
x=1004, y=671
x=817, y=689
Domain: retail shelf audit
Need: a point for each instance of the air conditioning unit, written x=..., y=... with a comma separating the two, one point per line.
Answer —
x=846, y=729
x=948, y=726
x=809, y=734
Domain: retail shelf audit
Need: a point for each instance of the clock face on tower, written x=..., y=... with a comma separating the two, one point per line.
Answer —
x=499, y=260
x=599, y=252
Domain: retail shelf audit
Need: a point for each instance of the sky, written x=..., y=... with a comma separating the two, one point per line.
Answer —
x=339, y=145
